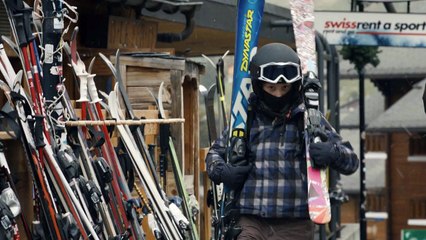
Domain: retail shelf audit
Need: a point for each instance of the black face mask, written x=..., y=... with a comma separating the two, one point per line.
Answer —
x=281, y=104
x=277, y=104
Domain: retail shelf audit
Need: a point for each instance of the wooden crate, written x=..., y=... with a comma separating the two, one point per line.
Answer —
x=180, y=97
x=181, y=80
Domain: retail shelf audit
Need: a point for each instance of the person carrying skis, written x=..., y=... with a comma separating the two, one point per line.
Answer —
x=272, y=201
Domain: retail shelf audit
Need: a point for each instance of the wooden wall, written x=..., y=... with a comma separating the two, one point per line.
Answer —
x=349, y=211
x=406, y=183
x=376, y=229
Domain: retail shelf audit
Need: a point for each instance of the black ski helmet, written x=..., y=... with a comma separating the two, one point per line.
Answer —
x=274, y=53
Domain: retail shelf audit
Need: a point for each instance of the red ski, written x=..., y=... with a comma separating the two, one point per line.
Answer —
x=302, y=12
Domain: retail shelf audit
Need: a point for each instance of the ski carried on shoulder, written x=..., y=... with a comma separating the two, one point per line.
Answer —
x=302, y=12
x=249, y=17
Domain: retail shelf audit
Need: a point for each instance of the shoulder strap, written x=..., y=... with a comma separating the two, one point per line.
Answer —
x=250, y=117
x=301, y=130
x=301, y=123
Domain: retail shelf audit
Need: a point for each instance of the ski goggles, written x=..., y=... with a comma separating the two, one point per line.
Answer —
x=275, y=71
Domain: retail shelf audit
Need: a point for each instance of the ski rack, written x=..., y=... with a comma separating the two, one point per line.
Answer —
x=123, y=122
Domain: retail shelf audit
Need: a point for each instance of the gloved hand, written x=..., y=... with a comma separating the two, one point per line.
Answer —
x=323, y=154
x=232, y=177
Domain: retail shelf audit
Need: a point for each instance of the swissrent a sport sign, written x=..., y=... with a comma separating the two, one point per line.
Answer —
x=372, y=29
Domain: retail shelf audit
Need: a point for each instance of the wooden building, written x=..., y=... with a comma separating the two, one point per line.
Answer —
x=394, y=137
x=402, y=128
x=375, y=160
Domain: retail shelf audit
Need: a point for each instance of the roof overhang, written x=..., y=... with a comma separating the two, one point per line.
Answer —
x=395, y=129
x=214, y=31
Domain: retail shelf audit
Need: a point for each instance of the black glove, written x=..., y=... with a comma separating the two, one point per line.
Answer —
x=232, y=177
x=323, y=154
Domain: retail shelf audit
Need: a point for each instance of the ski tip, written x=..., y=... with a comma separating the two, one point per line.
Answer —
x=160, y=100
x=225, y=54
x=10, y=43
x=104, y=58
x=154, y=98
x=322, y=219
x=2, y=84
x=74, y=33
x=208, y=60
x=89, y=70
x=18, y=78
x=102, y=55
x=202, y=88
x=117, y=59
x=320, y=214
x=116, y=88
x=103, y=94
x=213, y=86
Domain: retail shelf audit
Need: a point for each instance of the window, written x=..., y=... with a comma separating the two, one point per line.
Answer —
x=418, y=208
x=417, y=147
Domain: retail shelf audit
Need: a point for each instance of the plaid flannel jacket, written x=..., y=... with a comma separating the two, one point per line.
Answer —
x=276, y=186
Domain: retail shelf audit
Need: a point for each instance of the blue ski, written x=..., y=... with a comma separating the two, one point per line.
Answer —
x=248, y=25
x=249, y=19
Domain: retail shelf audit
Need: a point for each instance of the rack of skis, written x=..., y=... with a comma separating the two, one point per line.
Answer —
x=84, y=186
